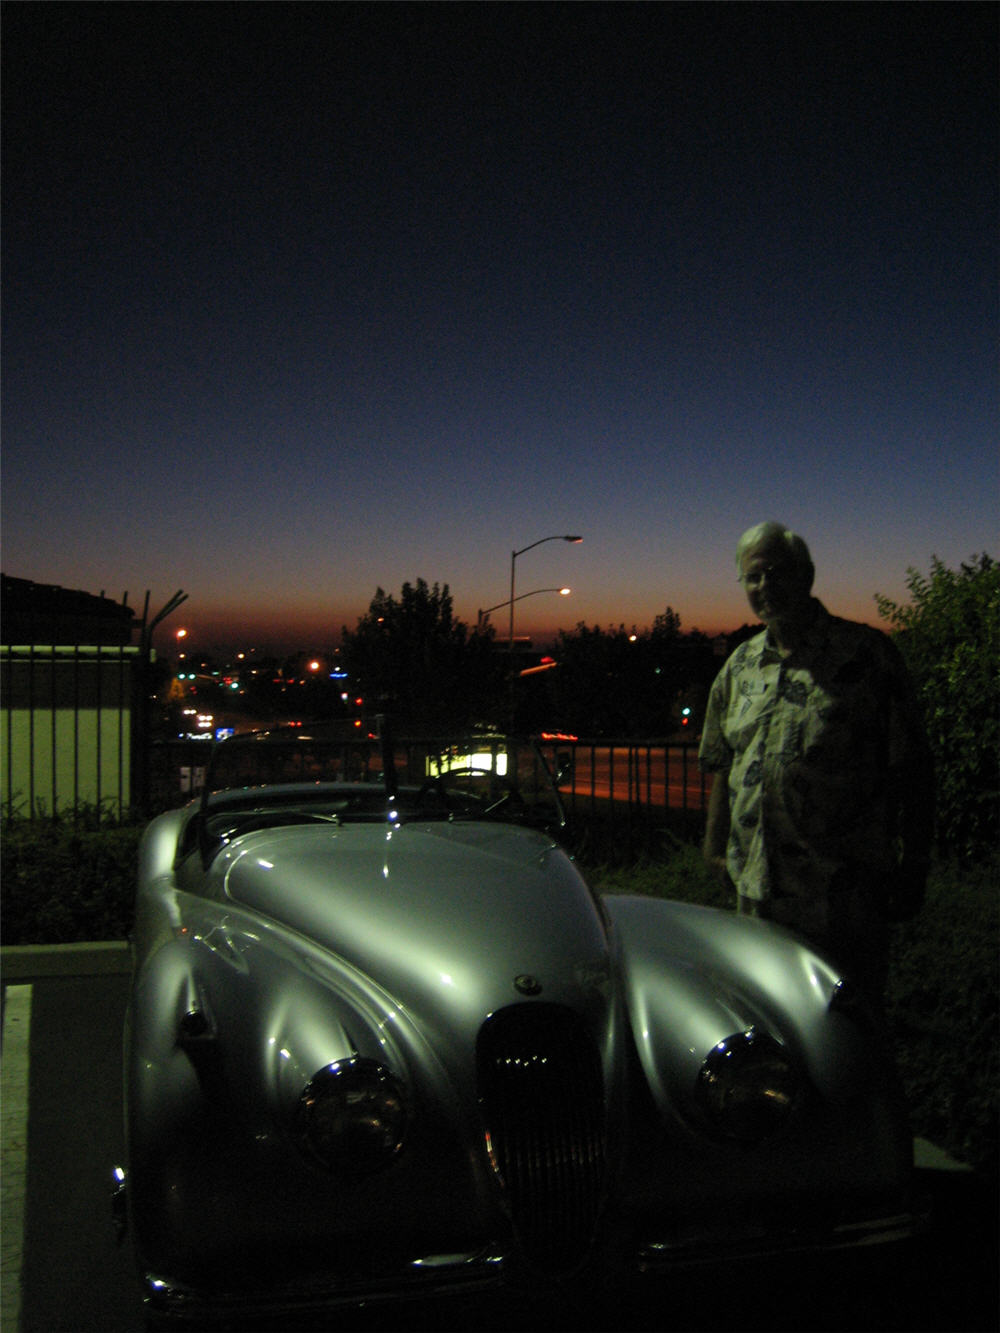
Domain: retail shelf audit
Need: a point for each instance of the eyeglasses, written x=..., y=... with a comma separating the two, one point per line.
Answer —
x=756, y=577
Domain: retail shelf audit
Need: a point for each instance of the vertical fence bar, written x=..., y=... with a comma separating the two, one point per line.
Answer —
x=99, y=728
x=633, y=791
x=140, y=749
x=31, y=725
x=75, y=695
x=7, y=688
x=53, y=738
x=121, y=729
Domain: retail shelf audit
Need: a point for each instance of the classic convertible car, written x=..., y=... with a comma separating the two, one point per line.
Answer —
x=384, y=1039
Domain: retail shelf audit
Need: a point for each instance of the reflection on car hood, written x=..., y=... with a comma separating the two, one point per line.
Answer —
x=439, y=913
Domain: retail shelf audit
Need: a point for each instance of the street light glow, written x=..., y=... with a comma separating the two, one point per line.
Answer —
x=575, y=538
x=484, y=614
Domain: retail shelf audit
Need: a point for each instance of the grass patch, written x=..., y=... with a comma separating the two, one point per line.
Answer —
x=943, y=1004
x=680, y=874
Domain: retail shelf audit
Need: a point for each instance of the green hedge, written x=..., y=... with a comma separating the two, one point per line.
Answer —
x=943, y=997
x=62, y=883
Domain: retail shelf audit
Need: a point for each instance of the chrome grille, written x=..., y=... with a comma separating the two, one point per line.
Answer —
x=542, y=1098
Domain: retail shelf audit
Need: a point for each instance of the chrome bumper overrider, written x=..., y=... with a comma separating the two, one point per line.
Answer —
x=679, y=1249
x=434, y=1275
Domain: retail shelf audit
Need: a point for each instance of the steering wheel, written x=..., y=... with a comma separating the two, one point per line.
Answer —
x=435, y=785
x=502, y=795
x=509, y=796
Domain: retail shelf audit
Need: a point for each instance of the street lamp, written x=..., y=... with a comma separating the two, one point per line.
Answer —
x=484, y=615
x=513, y=560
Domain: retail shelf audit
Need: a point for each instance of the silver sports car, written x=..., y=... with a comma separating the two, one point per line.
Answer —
x=383, y=1039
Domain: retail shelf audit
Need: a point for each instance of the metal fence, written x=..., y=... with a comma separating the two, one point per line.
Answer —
x=72, y=728
x=75, y=736
x=622, y=797
x=75, y=703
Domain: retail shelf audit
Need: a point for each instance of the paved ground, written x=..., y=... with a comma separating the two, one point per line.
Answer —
x=14, y=1140
x=75, y=1280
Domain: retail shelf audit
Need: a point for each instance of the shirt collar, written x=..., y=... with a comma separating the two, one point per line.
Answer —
x=814, y=632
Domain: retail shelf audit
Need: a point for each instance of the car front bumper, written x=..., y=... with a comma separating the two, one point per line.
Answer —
x=170, y=1303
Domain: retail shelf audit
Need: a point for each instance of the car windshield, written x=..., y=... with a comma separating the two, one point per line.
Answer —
x=289, y=776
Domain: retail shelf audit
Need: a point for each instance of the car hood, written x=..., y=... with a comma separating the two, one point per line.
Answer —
x=453, y=915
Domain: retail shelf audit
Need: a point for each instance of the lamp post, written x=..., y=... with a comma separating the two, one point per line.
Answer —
x=557, y=537
x=484, y=615
x=513, y=563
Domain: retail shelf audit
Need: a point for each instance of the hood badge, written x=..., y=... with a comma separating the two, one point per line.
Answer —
x=527, y=984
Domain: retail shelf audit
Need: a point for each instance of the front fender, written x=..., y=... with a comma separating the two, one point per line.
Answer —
x=696, y=975
x=227, y=1025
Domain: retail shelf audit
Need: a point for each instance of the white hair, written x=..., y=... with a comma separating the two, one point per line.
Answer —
x=776, y=534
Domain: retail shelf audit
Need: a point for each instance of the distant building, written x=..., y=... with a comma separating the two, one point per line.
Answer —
x=69, y=682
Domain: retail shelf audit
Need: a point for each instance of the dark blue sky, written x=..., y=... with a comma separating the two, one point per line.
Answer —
x=304, y=300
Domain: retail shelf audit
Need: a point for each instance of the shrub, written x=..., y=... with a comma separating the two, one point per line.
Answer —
x=64, y=882
x=949, y=636
x=944, y=1006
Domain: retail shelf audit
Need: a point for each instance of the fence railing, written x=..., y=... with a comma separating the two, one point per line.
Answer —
x=75, y=735
x=621, y=796
x=71, y=727
x=625, y=797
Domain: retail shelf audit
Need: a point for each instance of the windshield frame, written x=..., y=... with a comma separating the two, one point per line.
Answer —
x=406, y=775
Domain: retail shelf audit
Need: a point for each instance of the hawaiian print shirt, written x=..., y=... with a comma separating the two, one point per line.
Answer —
x=812, y=744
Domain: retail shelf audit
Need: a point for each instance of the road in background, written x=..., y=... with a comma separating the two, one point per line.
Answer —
x=77, y=1280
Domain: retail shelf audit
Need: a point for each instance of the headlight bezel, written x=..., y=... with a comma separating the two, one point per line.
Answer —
x=749, y=1088
x=352, y=1117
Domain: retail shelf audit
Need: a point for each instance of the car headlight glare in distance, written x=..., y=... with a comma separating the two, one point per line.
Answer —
x=748, y=1087
x=352, y=1117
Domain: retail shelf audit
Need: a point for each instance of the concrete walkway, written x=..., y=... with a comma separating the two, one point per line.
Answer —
x=33, y=962
x=13, y=1147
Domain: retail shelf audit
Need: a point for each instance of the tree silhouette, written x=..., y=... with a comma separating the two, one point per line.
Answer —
x=411, y=659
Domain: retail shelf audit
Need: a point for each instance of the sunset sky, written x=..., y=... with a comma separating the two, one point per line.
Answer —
x=305, y=300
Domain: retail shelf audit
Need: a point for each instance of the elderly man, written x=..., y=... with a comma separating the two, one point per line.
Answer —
x=821, y=811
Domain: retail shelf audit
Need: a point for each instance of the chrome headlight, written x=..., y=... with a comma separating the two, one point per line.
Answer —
x=748, y=1087
x=352, y=1117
